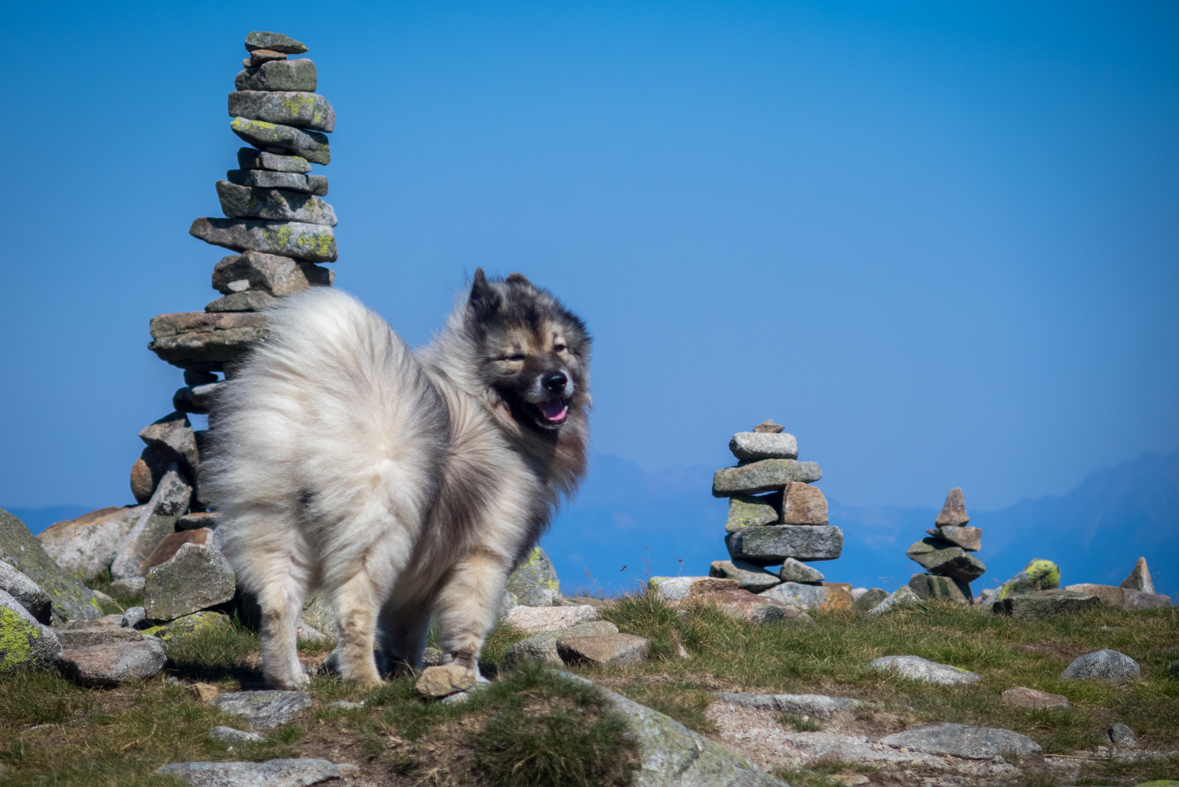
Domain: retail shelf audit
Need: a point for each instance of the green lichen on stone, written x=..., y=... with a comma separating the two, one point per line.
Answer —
x=1037, y=575
x=189, y=624
x=535, y=582
x=16, y=640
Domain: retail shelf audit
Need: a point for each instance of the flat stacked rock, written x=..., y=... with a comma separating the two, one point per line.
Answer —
x=945, y=554
x=275, y=217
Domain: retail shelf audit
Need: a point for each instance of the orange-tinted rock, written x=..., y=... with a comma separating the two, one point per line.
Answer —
x=803, y=504
x=172, y=543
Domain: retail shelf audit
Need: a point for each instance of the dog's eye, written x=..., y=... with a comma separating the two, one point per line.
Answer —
x=558, y=348
x=514, y=357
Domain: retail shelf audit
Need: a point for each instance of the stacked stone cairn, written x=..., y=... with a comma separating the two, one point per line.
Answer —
x=777, y=522
x=945, y=554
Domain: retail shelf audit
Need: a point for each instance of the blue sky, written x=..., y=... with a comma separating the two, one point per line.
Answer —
x=937, y=241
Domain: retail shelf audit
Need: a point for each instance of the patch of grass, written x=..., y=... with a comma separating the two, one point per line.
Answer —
x=793, y=721
x=28, y=698
x=216, y=655
x=1106, y=771
x=123, y=600
x=820, y=774
x=683, y=701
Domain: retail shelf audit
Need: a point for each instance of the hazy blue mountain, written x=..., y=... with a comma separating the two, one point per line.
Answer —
x=1095, y=532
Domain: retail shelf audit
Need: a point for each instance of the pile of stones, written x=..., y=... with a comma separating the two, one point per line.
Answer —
x=777, y=523
x=949, y=568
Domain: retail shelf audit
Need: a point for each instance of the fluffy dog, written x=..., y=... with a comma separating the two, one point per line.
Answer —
x=404, y=484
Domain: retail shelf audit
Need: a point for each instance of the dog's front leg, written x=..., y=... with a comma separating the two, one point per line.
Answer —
x=467, y=606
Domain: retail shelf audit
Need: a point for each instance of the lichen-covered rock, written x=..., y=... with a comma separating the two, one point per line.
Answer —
x=751, y=511
x=245, y=202
x=868, y=601
x=263, y=710
x=172, y=542
x=969, y=538
x=252, y=158
x=269, y=273
x=271, y=773
x=762, y=445
x=533, y=620
x=292, y=181
x=1105, y=665
x=157, y=519
x=181, y=627
x=24, y=643
x=308, y=242
x=938, y=557
x=960, y=740
x=770, y=545
x=1036, y=575
x=753, y=578
x=794, y=571
x=535, y=582
x=27, y=593
x=1139, y=578
x=828, y=597
x=930, y=586
x=196, y=578
x=954, y=511
x=767, y=475
x=1044, y=603
x=114, y=663
x=299, y=74
x=290, y=108
x=311, y=145
x=917, y=668
x=901, y=597
x=172, y=437
x=203, y=340
x=275, y=42
x=21, y=550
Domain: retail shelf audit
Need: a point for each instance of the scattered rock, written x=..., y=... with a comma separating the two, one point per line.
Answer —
x=533, y=620
x=87, y=637
x=770, y=545
x=252, y=158
x=610, y=650
x=828, y=597
x=1034, y=699
x=272, y=773
x=1036, y=575
x=871, y=598
x=1104, y=665
x=157, y=519
x=276, y=42
x=543, y=646
x=172, y=437
x=535, y=582
x=297, y=74
x=741, y=604
x=678, y=588
x=803, y=504
x=86, y=546
x=751, y=511
x=917, y=668
x=172, y=542
x=26, y=593
x=794, y=571
x=969, y=538
x=815, y=705
x=753, y=578
x=950, y=561
x=1044, y=603
x=1122, y=597
x=309, y=242
x=24, y=642
x=1139, y=578
x=442, y=681
x=311, y=145
x=21, y=550
x=290, y=108
x=189, y=624
x=959, y=740
x=263, y=710
x=763, y=445
x=196, y=578
x=901, y=597
x=930, y=586
x=231, y=736
x=953, y=512
x=269, y=273
x=204, y=691
x=1121, y=736
x=113, y=664
x=132, y=617
x=766, y=475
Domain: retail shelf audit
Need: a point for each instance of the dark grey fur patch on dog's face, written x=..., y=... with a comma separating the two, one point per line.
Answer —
x=535, y=353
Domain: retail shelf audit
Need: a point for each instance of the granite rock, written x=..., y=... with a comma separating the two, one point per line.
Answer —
x=172, y=542
x=794, y=571
x=900, y=598
x=768, y=427
x=803, y=504
x=24, y=643
x=917, y=668
x=767, y=475
x=762, y=445
x=938, y=557
x=299, y=75
x=740, y=604
x=252, y=158
x=290, y=108
x=20, y=549
x=172, y=437
x=243, y=202
x=27, y=593
x=266, y=179
x=1105, y=665
x=543, y=646
x=202, y=340
x=271, y=773
x=146, y=473
x=248, y=301
x=269, y=273
x=1122, y=597
x=231, y=736
x=954, y=511
x=870, y=599
x=969, y=538
x=678, y=588
x=610, y=650
x=444, y=680
x=196, y=578
x=771, y=545
x=114, y=663
x=1034, y=699
x=753, y=578
x=87, y=637
x=1036, y=575
x=535, y=582
x=276, y=42
x=1121, y=736
x=311, y=145
x=816, y=706
x=829, y=597
x=533, y=620
x=931, y=586
x=1139, y=578
x=260, y=57
x=1044, y=603
x=157, y=518
x=959, y=740
x=751, y=511
x=308, y=242
x=263, y=710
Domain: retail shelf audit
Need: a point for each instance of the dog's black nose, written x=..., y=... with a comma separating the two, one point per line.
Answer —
x=555, y=382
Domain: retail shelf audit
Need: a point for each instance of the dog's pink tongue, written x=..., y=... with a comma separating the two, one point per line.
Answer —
x=553, y=410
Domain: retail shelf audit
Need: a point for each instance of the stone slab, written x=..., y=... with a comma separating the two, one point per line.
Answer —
x=762, y=445
x=267, y=179
x=753, y=578
x=817, y=706
x=301, y=241
x=311, y=145
x=794, y=571
x=533, y=620
x=263, y=710
x=543, y=646
x=299, y=74
x=272, y=773
x=919, y=669
x=828, y=597
x=767, y=475
x=960, y=740
x=609, y=650
x=196, y=577
x=287, y=107
x=969, y=538
x=1122, y=597
x=197, y=398
x=773, y=544
x=113, y=664
x=940, y=557
x=252, y=158
x=752, y=511
x=932, y=586
x=204, y=340
x=1044, y=603
x=269, y=273
x=244, y=202
x=803, y=504
x=275, y=42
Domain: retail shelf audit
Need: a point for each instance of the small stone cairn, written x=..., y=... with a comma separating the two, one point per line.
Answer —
x=944, y=555
x=280, y=227
x=777, y=519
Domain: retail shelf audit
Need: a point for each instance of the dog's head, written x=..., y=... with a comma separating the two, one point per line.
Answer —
x=535, y=353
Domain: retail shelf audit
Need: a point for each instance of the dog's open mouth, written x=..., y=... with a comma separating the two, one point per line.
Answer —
x=551, y=413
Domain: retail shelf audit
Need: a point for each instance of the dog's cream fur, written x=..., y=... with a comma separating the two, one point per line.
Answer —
x=401, y=484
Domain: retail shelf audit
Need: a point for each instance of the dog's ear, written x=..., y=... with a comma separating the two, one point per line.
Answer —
x=519, y=279
x=484, y=300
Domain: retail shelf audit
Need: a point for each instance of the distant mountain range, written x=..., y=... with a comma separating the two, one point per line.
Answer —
x=628, y=524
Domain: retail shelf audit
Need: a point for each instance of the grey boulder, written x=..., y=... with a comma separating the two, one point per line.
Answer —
x=245, y=202
x=898, y=599
x=954, y=510
x=1139, y=578
x=960, y=740
x=20, y=549
x=113, y=663
x=766, y=475
x=815, y=705
x=1044, y=603
x=26, y=593
x=535, y=582
x=269, y=273
x=157, y=518
x=272, y=773
x=309, y=242
x=299, y=74
x=543, y=646
x=751, y=511
x=941, y=558
x=794, y=571
x=969, y=538
x=919, y=669
x=869, y=599
x=1105, y=665
x=196, y=578
x=760, y=445
x=771, y=545
x=248, y=301
x=292, y=181
x=252, y=158
x=753, y=578
x=203, y=340
x=311, y=145
x=24, y=642
x=231, y=736
x=263, y=710
x=290, y=108
x=275, y=42
x=74, y=637
x=609, y=650
x=932, y=586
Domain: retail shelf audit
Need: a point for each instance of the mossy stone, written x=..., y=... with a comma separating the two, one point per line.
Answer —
x=20, y=548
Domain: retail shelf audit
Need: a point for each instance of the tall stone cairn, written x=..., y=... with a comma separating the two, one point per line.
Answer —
x=280, y=228
x=945, y=554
